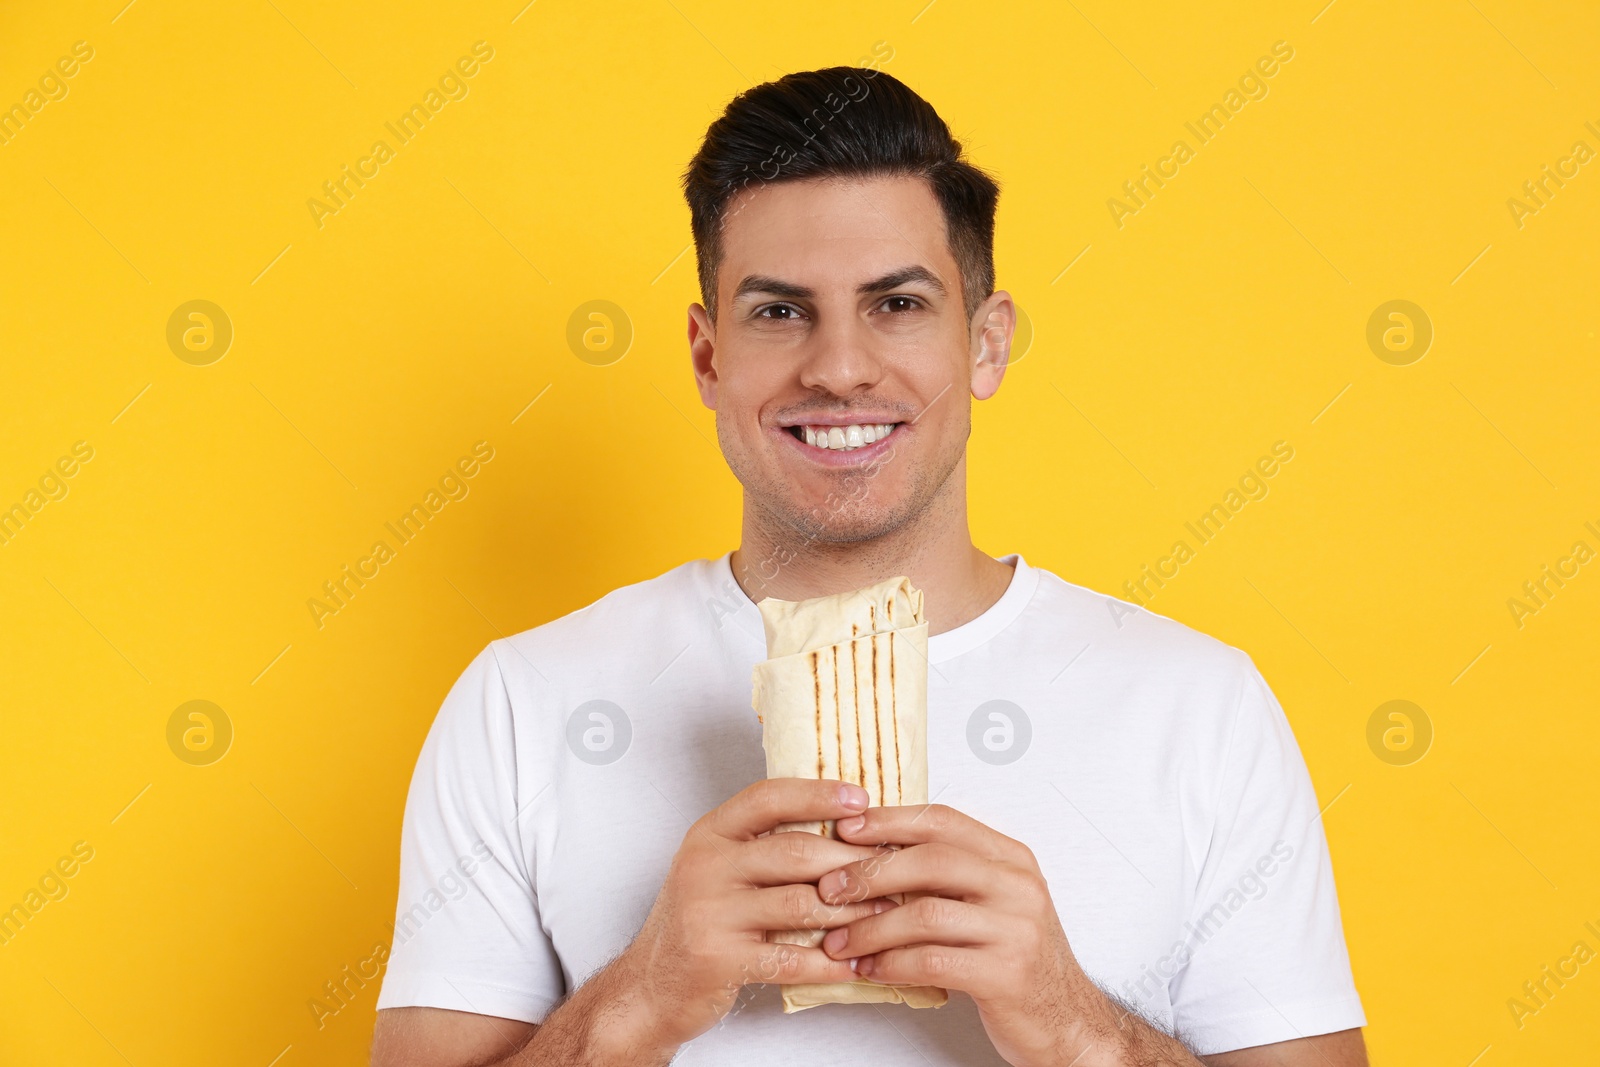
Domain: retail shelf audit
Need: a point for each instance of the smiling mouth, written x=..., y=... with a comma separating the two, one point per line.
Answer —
x=843, y=438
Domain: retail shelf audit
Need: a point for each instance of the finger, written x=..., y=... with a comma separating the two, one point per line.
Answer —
x=933, y=868
x=772, y=961
x=915, y=824
x=758, y=808
x=795, y=856
x=944, y=966
x=939, y=920
x=798, y=907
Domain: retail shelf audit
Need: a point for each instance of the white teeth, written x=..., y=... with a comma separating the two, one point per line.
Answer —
x=847, y=438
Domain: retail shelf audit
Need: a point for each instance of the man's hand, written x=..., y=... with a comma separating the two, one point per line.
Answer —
x=989, y=929
x=704, y=937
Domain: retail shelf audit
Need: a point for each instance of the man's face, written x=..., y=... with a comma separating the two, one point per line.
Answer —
x=842, y=359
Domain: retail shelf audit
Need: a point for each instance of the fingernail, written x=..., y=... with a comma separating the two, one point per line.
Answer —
x=835, y=941
x=853, y=963
x=852, y=825
x=863, y=965
x=853, y=797
x=830, y=884
x=882, y=905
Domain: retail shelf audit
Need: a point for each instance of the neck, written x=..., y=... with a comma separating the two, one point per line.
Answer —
x=934, y=550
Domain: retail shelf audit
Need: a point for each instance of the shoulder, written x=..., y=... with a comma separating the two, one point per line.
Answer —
x=1197, y=707
x=668, y=603
x=1134, y=637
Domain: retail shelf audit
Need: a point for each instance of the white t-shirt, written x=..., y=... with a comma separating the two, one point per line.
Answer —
x=1148, y=766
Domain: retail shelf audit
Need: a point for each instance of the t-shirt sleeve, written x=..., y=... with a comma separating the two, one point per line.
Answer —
x=467, y=932
x=1266, y=954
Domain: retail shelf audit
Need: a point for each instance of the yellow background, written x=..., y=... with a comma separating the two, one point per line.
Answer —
x=369, y=354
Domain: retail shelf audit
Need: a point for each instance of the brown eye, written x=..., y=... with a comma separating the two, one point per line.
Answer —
x=900, y=303
x=778, y=312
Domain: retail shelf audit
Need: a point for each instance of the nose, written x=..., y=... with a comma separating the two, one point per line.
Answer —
x=840, y=357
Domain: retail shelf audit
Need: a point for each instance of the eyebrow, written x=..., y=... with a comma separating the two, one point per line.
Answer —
x=895, y=279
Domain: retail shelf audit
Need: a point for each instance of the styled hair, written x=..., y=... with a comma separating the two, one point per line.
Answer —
x=839, y=122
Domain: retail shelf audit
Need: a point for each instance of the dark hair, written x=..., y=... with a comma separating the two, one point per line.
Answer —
x=840, y=122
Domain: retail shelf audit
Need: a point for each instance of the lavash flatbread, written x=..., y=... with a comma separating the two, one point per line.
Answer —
x=844, y=695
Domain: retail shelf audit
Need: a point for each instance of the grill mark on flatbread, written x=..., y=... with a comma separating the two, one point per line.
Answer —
x=816, y=690
x=855, y=695
x=877, y=726
x=838, y=717
x=894, y=719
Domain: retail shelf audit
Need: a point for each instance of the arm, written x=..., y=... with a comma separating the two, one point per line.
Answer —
x=417, y=1037
x=703, y=941
x=605, y=1022
x=1341, y=1049
x=990, y=929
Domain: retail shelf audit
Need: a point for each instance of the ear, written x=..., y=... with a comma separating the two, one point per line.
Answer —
x=702, y=354
x=991, y=329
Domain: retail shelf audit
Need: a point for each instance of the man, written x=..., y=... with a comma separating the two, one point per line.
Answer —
x=1124, y=843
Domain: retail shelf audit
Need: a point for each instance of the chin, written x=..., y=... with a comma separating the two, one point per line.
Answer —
x=851, y=523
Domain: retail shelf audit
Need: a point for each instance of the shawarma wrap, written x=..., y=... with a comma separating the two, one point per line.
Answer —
x=844, y=694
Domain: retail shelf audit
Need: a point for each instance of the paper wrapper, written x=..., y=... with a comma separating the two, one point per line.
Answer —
x=844, y=694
